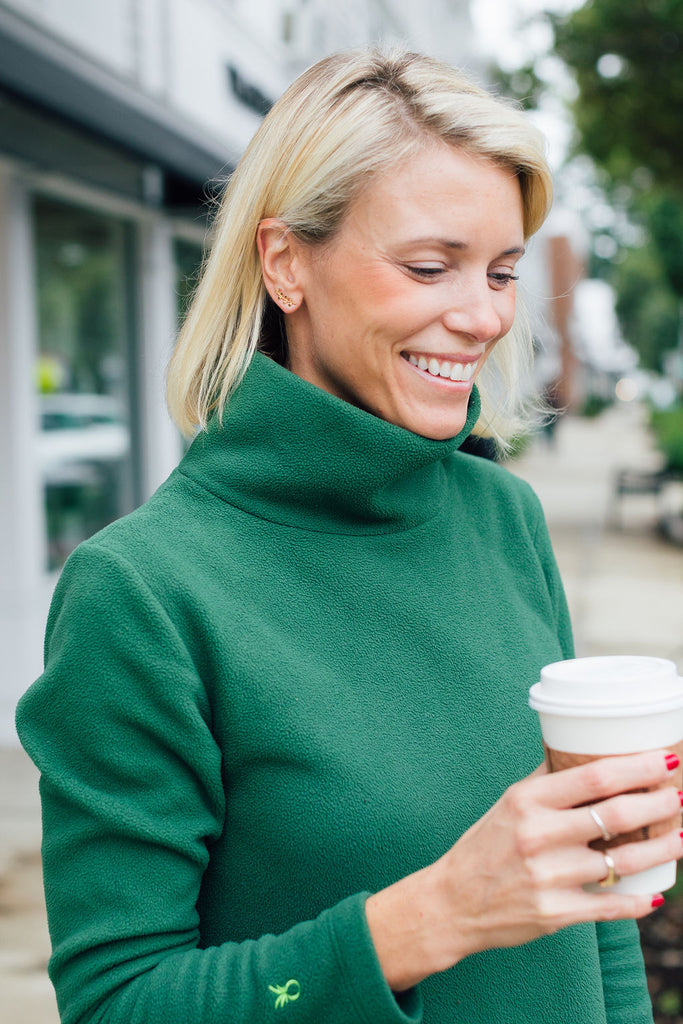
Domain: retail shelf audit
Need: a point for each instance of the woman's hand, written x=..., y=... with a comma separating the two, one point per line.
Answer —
x=518, y=872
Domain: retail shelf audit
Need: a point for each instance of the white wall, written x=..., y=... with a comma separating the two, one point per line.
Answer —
x=24, y=589
x=104, y=30
x=174, y=51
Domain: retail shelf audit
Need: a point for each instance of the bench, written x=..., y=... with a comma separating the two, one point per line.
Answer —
x=634, y=481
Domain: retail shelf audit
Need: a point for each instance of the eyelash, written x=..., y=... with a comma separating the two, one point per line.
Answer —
x=430, y=272
x=426, y=271
x=504, y=279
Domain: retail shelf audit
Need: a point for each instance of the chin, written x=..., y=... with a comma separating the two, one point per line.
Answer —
x=438, y=428
x=434, y=424
x=440, y=432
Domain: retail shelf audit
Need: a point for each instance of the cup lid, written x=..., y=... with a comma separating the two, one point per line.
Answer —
x=617, y=682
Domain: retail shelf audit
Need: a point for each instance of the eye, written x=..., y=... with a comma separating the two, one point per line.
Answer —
x=424, y=272
x=501, y=280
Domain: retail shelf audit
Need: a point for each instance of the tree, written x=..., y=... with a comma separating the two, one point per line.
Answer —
x=646, y=308
x=627, y=59
x=628, y=62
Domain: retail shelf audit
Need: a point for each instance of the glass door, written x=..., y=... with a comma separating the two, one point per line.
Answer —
x=84, y=371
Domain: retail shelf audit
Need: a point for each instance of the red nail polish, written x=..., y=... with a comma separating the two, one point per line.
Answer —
x=657, y=901
x=672, y=761
x=680, y=797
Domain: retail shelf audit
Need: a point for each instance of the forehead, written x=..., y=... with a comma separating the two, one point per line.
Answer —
x=442, y=189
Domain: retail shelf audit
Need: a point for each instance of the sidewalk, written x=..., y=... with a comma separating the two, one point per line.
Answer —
x=624, y=585
x=26, y=996
x=625, y=590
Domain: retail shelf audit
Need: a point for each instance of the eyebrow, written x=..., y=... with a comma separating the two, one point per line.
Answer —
x=447, y=243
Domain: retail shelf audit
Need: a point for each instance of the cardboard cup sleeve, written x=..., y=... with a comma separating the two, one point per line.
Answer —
x=558, y=760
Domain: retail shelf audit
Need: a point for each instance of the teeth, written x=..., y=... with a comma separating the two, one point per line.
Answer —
x=462, y=372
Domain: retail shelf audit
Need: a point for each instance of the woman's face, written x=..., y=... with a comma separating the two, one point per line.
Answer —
x=402, y=307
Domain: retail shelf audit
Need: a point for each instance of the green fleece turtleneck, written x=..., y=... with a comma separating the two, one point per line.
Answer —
x=298, y=673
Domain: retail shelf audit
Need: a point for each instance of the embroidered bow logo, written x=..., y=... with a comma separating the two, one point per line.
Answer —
x=286, y=993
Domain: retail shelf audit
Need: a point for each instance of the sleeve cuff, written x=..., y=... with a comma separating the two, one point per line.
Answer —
x=360, y=969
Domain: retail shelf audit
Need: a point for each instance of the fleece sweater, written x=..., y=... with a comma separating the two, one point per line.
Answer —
x=296, y=674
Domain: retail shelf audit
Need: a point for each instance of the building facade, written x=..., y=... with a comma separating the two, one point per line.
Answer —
x=118, y=121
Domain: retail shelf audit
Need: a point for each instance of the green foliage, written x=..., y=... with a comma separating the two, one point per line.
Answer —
x=646, y=307
x=669, y=1002
x=667, y=425
x=665, y=219
x=628, y=63
x=627, y=59
x=523, y=84
x=593, y=405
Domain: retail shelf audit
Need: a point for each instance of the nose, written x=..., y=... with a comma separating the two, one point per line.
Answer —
x=476, y=312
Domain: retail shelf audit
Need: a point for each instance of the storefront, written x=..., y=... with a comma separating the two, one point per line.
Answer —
x=101, y=234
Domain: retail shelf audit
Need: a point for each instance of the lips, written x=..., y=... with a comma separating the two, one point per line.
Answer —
x=447, y=369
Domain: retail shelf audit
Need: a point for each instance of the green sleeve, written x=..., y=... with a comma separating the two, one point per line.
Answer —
x=119, y=725
x=623, y=974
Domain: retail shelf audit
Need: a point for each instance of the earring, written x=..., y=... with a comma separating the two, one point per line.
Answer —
x=284, y=299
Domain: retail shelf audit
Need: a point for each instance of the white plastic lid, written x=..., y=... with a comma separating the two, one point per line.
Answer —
x=618, y=682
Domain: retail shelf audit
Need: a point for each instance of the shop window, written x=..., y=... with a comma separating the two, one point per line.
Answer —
x=83, y=374
x=188, y=262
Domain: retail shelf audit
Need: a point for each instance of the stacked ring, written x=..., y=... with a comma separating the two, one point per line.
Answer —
x=600, y=823
x=612, y=875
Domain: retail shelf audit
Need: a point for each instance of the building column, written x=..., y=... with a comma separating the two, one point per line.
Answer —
x=160, y=440
x=24, y=584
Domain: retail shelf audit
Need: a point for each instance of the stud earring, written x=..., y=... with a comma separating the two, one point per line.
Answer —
x=284, y=299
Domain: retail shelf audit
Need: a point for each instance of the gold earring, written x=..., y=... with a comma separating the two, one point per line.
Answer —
x=284, y=299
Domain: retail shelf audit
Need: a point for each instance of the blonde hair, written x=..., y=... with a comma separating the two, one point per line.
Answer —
x=350, y=116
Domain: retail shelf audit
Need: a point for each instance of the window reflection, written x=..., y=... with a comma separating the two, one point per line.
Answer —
x=188, y=262
x=83, y=372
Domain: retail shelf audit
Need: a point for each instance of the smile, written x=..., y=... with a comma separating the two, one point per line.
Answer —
x=445, y=368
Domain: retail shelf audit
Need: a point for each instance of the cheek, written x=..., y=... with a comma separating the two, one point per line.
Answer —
x=380, y=287
x=506, y=309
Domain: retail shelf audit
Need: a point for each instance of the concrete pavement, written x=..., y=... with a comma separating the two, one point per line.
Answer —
x=625, y=589
x=26, y=996
x=624, y=582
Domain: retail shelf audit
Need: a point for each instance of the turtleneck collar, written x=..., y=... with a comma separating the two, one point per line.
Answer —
x=291, y=453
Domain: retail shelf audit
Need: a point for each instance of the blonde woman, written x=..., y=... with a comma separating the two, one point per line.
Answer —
x=288, y=770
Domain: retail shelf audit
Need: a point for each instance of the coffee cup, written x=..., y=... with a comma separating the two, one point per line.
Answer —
x=604, y=706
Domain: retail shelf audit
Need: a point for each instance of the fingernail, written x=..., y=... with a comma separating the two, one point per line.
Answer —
x=657, y=901
x=672, y=761
x=680, y=797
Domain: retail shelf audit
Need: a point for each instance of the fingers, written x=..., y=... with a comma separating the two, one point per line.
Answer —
x=634, y=857
x=620, y=815
x=608, y=906
x=603, y=778
x=555, y=869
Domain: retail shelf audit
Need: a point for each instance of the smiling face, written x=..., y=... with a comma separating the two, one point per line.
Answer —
x=398, y=312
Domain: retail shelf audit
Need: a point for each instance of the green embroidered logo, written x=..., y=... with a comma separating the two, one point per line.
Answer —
x=286, y=993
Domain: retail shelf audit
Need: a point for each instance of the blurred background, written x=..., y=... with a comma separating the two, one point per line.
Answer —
x=119, y=122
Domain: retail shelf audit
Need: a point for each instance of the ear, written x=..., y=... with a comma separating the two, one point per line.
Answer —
x=277, y=250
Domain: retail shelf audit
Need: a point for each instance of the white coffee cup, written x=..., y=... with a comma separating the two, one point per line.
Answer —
x=596, y=707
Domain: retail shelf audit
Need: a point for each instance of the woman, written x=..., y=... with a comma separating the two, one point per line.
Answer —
x=283, y=722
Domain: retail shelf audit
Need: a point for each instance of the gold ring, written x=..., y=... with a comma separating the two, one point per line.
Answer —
x=600, y=823
x=612, y=875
